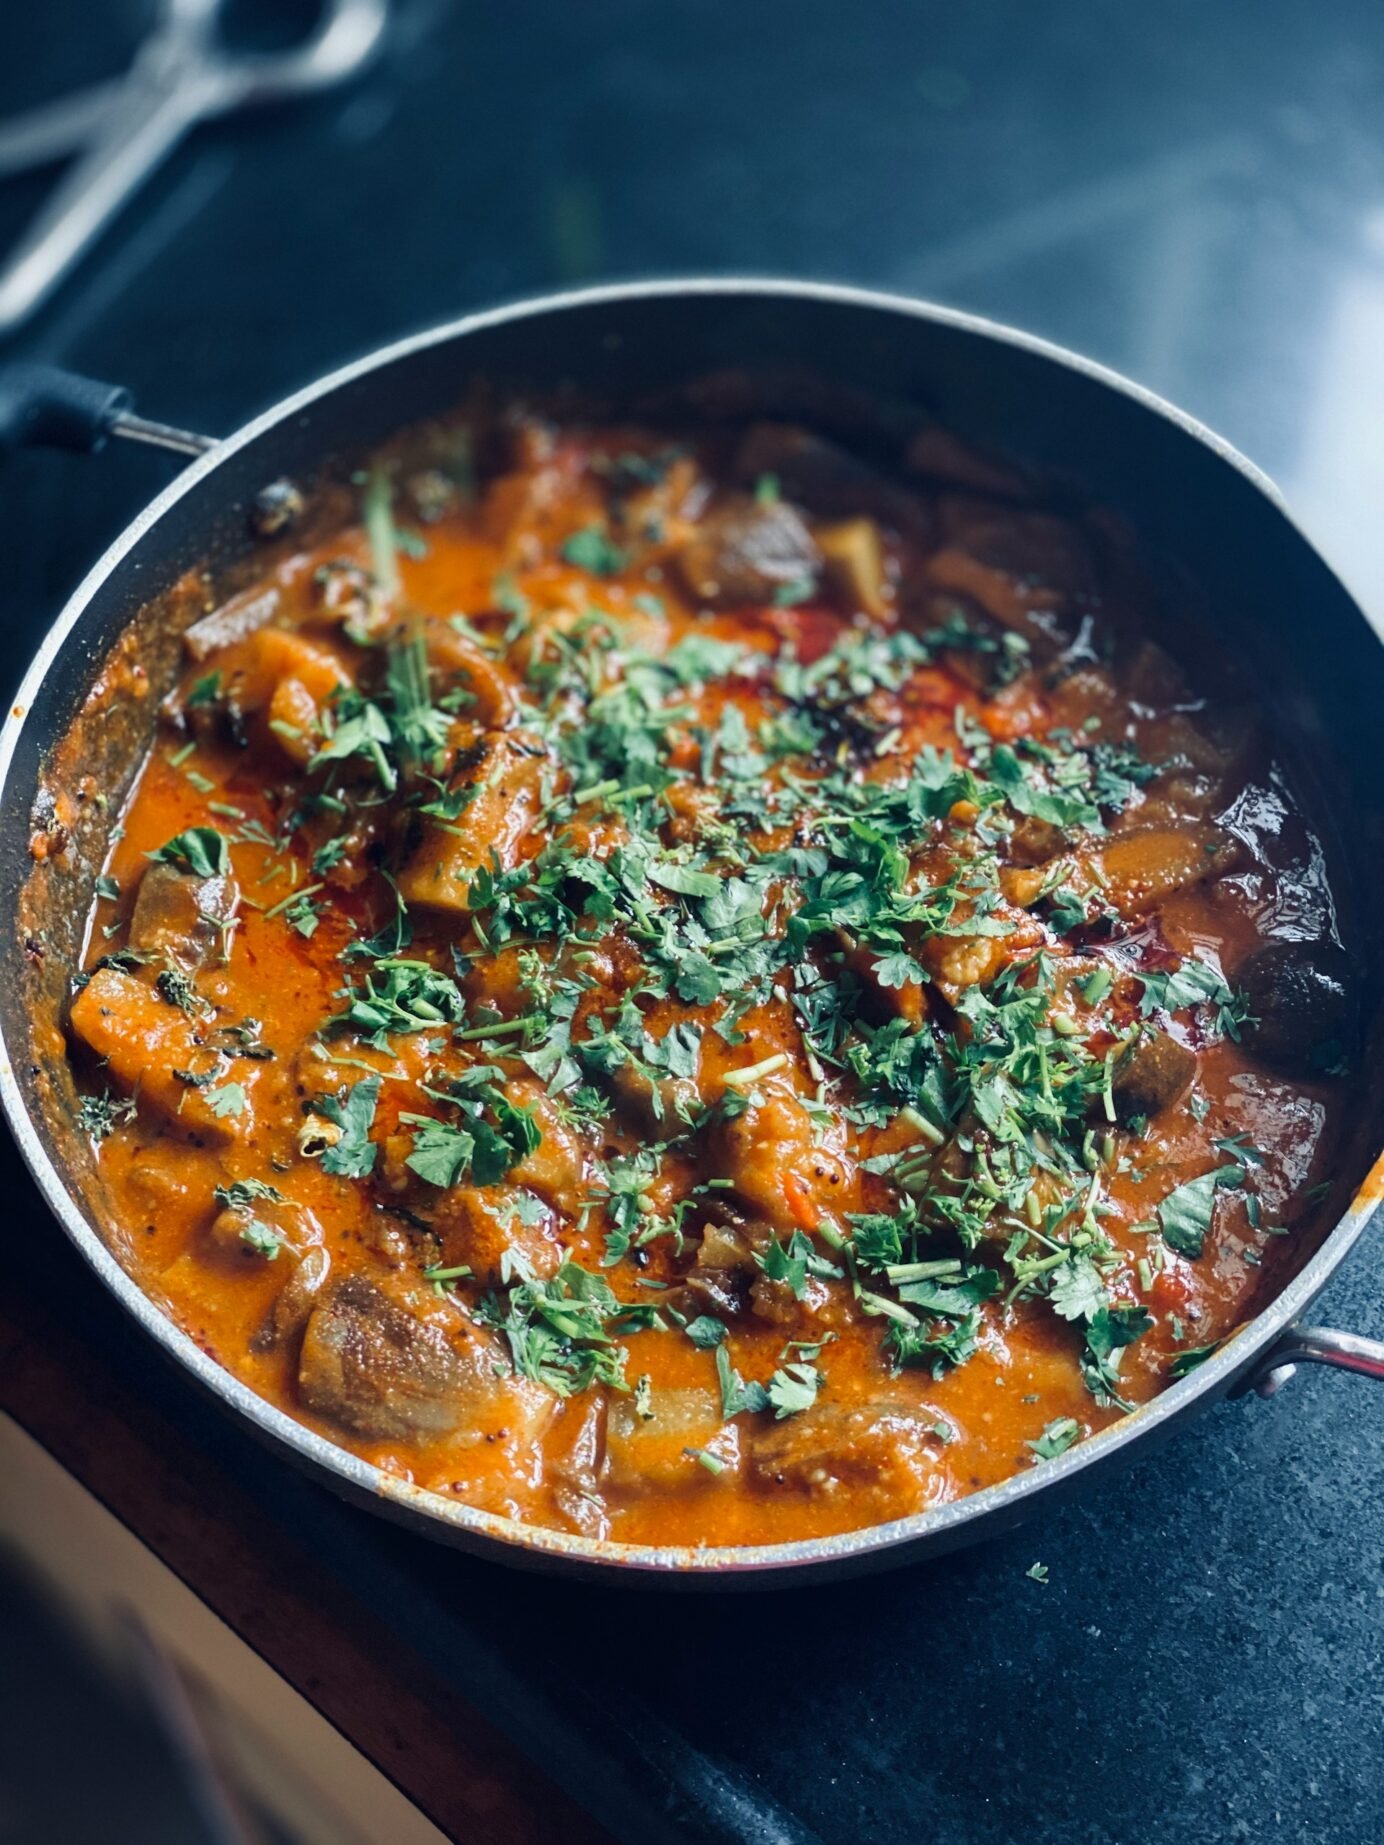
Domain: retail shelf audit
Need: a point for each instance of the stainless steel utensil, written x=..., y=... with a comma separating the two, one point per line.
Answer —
x=120, y=132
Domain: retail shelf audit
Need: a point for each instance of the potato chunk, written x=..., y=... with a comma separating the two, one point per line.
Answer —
x=481, y=1225
x=648, y=1454
x=507, y=783
x=1141, y=869
x=854, y=553
x=778, y=1167
x=143, y=1041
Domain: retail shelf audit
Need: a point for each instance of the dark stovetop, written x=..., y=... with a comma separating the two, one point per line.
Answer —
x=1195, y=195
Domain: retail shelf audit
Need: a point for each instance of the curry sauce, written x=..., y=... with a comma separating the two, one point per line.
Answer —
x=680, y=989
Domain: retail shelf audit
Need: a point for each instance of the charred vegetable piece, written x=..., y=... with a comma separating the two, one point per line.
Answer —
x=384, y=1372
x=1304, y=1000
x=181, y=917
x=830, y=1450
x=1153, y=1074
x=746, y=551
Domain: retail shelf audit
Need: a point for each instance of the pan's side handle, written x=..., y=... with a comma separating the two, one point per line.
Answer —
x=43, y=406
x=1318, y=1345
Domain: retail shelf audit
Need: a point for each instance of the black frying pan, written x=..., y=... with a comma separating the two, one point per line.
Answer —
x=864, y=364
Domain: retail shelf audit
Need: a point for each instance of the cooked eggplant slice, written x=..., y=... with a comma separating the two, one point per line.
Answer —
x=1303, y=999
x=1153, y=1074
x=745, y=551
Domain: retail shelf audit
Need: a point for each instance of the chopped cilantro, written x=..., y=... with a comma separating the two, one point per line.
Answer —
x=1056, y=1438
x=200, y=850
x=352, y=1156
x=591, y=549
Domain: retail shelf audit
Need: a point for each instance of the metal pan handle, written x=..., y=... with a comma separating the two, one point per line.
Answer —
x=1318, y=1345
x=42, y=406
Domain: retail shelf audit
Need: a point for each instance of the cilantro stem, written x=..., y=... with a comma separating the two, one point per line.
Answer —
x=744, y=1079
x=379, y=531
x=502, y=1029
x=923, y=1271
x=921, y=1126
x=705, y=1458
x=304, y=890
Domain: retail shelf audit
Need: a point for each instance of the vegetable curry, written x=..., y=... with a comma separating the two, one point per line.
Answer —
x=681, y=988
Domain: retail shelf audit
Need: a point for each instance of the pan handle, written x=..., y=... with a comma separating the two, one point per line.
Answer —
x=43, y=406
x=1319, y=1345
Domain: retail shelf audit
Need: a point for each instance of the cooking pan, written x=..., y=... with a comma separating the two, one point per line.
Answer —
x=832, y=355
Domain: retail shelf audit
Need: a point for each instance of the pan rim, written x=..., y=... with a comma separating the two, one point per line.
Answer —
x=495, y=1534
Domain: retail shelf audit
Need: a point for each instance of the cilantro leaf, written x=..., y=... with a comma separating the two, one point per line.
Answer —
x=241, y=1193
x=788, y=1265
x=441, y=1152
x=353, y=1155
x=736, y=1394
x=100, y=1115
x=683, y=880
x=200, y=850
x=1185, y=1362
x=793, y=1388
x=261, y=1237
x=1056, y=1438
x=1078, y=1293
x=591, y=549
x=1185, y=1215
x=228, y=1100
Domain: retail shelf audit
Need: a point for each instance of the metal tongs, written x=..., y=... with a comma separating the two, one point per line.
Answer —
x=122, y=130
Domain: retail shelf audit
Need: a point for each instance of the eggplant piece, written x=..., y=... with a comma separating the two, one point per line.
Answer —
x=1304, y=1002
x=181, y=917
x=939, y=455
x=833, y=1450
x=1030, y=572
x=1153, y=1074
x=722, y=1272
x=294, y=1302
x=385, y=1372
x=652, y=1103
x=828, y=480
x=743, y=551
x=234, y=621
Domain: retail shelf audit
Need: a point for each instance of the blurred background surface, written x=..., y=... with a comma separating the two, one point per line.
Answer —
x=1192, y=193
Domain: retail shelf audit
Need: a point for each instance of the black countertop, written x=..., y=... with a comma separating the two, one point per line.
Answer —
x=1194, y=194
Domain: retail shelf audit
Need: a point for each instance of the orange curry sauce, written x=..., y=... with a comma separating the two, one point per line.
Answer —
x=486, y=952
